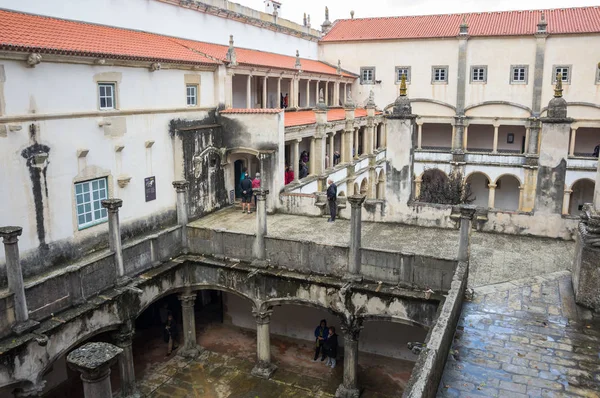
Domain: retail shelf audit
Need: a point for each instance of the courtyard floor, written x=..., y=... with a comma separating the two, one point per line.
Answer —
x=525, y=338
x=494, y=258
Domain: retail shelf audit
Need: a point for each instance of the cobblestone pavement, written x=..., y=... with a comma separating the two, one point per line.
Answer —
x=524, y=338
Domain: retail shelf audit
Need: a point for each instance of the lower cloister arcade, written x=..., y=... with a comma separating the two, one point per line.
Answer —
x=581, y=192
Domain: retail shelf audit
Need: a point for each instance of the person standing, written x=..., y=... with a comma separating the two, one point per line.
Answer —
x=256, y=186
x=332, y=199
x=321, y=333
x=597, y=151
x=170, y=334
x=289, y=175
x=246, y=188
x=331, y=345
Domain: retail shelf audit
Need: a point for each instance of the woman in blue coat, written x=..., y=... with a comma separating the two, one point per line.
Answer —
x=321, y=333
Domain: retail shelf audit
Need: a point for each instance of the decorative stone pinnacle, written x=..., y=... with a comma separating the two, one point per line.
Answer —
x=403, y=85
x=541, y=26
x=558, y=89
x=356, y=200
x=112, y=204
x=464, y=28
x=181, y=185
x=349, y=103
x=231, y=55
x=93, y=359
x=298, y=64
x=326, y=13
x=305, y=20
x=339, y=67
x=371, y=100
x=10, y=234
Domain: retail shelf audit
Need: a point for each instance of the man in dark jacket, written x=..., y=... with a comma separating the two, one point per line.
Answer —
x=246, y=187
x=170, y=334
x=332, y=200
x=331, y=345
x=321, y=333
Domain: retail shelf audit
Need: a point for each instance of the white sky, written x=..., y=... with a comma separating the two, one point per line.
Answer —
x=338, y=9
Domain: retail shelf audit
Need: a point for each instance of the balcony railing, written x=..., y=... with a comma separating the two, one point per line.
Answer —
x=495, y=158
x=583, y=163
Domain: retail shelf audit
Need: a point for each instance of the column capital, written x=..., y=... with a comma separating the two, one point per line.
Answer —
x=181, y=185
x=356, y=200
x=492, y=186
x=351, y=329
x=187, y=299
x=263, y=317
x=123, y=336
x=261, y=194
x=93, y=360
x=10, y=235
x=112, y=204
x=467, y=211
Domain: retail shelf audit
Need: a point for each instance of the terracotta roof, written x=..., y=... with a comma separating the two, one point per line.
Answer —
x=27, y=32
x=260, y=111
x=302, y=118
x=260, y=58
x=505, y=23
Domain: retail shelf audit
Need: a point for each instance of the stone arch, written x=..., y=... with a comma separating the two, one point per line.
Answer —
x=507, y=103
x=449, y=107
x=380, y=189
x=356, y=188
x=392, y=319
x=582, y=191
x=277, y=302
x=479, y=182
x=507, y=192
x=364, y=186
x=342, y=193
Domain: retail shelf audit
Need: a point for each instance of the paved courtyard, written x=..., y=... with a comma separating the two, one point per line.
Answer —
x=525, y=338
x=494, y=257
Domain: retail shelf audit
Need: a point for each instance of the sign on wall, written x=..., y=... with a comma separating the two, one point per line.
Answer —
x=150, y=188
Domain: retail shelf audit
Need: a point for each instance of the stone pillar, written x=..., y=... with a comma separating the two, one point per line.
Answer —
x=418, y=181
x=566, y=201
x=291, y=101
x=10, y=237
x=349, y=386
x=354, y=255
x=419, y=134
x=123, y=340
x=527, y=134
x=114, y=235
x=534, y=132
x=495, y=144
x=311, y=163
x=521, y=197
x=93, y=361
x=466, y=138
x=182, y=211
x=327, y=93
x=492, y=195
x=264, y=92
x=263, y=368
x=572, y=146
x=190, y=346
x=296, y=165
x=345, y=91
x=279, y=93
x=249, y=92
x=336, y=94
x=466, y=216
x=596, y=204
x=343, y=146
x=331, y=143
x=384, y=128
x=317, y=92
x=356, y=143
x=459, y=130
x=261, y=225
x=586, y=265
x=308, y=93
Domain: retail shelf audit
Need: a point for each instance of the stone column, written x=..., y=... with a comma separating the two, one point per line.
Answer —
x=261, y=225
x=311, y=162
x=331, y=143
x=349, y=386
x=343, y=146
x=527, y=133
x=249, y=92
x=182, y=211
x=93, y=361
x=495, y=144
x=566, y=201
x=190, y=346
x=572, y=146
x=492, y=195
x=521, y=198
x=317, y=91
x=114, y=235
x=345, y=91
x=291, y=101
x=263, y=368
x=327, y=93
x=10, y=237
x=336, y=94
x=596, y=204
x=419, y=134
x=385, y=126
x=123, y=340
x=418, y=181
x=354, y=260
x=466, y=138
x=534, y=132
x=466, y=216
x=459, y=130
x=296, y=165
x=279, y=93
x=308, y=93
x=586, y=265
x=264, y=92
x=356, y=143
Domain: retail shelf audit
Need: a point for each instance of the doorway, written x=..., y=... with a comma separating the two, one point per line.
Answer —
x=238, y=165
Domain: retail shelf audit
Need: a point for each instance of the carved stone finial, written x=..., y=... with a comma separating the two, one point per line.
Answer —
x=464, y=28
x=402, y=106
x=321, y=106
x=305, y=21
x=33, y=59
x=155, y=66
x=349, y=103
x=371, y=100
x=403, y=89
x=231, y=55
x=326, y=13
x=542, y=25
x=298, y=63
x=308, y=21
x=558, y=90
x=339, y=67
x=352, y=14
x=327, y=23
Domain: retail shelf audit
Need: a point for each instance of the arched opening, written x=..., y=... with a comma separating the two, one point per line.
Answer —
x=479, y=184
x=582, y=193
x=384, y=361
x=240, y=163
x=380, y=194
x=507, y=193
x=364, y=186
x=432, y=182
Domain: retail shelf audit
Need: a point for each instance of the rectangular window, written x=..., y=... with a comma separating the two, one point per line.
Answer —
x=88, y=198
x=192, y=94
x=478, y=74
x=564, y=71
x=518, y=74
x=402, y=70
x=106, y=92
x=367, y=75
x=439, y=74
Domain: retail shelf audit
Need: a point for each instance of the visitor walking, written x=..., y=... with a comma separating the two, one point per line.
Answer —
x=332, y=200
x=331, y=345
x=170, y=334
x=289, y=175
x=256, y=186
x=321, y=333
x=336, y=158
x=246, y=188
x=303, y=170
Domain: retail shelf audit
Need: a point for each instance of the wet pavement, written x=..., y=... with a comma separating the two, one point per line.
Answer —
x=525, y=338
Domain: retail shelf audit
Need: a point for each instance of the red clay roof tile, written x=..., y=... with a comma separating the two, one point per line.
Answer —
x=302, y=118
x=258, y=110
x=506, y=23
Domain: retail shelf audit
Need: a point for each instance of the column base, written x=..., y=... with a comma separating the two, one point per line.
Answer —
x=344, y=392
x=24, y=327
x=263, y=370
x=189, y=353
x=352, y=278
